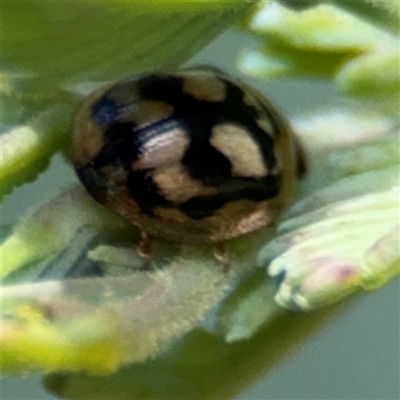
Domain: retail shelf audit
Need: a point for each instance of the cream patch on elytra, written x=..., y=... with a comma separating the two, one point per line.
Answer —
x=204, y=86
x=177, y=186
x=238, y=146
x=145, y=113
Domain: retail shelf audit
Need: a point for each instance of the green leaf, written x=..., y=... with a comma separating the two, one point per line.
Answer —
x=342, y=237
x=27, y=149
x=98, y=325
x=102, y=323
x=375, y=75
x=62, y=42
x=201, y=366
x=248, y=308
x=46, y=230
x=326, y=42
x=383, y=14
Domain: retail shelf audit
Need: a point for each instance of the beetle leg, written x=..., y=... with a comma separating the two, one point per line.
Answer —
x=222, y=256
x=144, y=249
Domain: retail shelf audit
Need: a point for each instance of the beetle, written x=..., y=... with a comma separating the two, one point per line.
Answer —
x=191, y=156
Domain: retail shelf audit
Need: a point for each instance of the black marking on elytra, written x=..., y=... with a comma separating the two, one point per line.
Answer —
x=124, y=142
x=240, y=189
x=265, y=143
x=253, y=110
x=105, y=111
x=246, y=116
x=203, y=206
x=119, y=130
x=202, y=160
x=95, y=181
x=122, y=145
x=207, y=164
x=161, y=87
x=145, y=192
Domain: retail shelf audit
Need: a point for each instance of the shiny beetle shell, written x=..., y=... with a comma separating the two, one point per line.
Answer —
x=191, y=156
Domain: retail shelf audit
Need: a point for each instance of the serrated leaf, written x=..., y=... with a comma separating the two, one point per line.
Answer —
x=343, y=237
